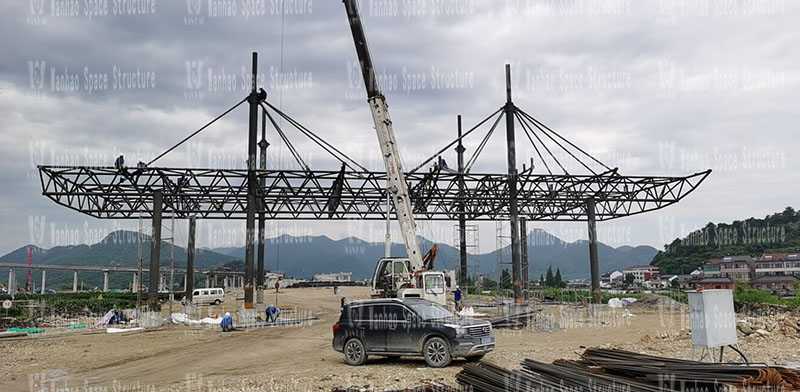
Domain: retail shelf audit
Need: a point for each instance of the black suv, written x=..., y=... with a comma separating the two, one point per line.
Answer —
x=409, y=327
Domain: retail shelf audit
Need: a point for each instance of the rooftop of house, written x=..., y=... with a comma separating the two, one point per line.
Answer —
x=776, y=278
x=642, y=267
x=716, y=280
x=779, y=257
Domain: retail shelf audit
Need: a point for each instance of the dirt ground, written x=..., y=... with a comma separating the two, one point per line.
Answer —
x=300, y=358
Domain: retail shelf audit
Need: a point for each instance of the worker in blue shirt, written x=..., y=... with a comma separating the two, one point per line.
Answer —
x=226, y=323
x=272, y=313
x=457, y=298
x=119, y=164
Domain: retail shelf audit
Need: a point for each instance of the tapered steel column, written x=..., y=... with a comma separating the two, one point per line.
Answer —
x=251, y=188
x=462, y=219
x=188, y=279
x=263, y=144
x=155, y=251
x=593, y=261
x=516, y=257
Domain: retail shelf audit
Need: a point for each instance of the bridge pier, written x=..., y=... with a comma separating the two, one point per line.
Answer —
x=208, y=280
x=74, y=281
x=11, y=281
x=105, y=281
x=135, y=283
x=44, y=281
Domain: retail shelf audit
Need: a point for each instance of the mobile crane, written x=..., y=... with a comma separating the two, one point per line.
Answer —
x=395, y=277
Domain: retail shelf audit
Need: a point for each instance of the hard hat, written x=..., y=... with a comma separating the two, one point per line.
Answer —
x=227, y=314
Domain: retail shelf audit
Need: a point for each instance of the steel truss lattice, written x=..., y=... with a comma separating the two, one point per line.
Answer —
x=321, y=195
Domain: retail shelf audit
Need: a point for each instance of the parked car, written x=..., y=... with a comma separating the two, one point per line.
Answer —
x=208, y=296
x=409, y=327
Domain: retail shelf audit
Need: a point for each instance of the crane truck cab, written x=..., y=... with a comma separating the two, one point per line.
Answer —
x=393, y=279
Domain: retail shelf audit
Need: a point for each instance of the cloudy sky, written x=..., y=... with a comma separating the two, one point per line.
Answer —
x=659, y=87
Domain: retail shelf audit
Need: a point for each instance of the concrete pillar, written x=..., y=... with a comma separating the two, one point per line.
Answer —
x=105, y=281
x=135, y=282
x=188, y=279
x=208, y=280
x=74, y=281
x=162, y=284
x=155, y=250
x=44, y=281
x=10, y=280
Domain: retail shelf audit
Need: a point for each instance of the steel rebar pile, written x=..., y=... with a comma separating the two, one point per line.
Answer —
x=617, y=370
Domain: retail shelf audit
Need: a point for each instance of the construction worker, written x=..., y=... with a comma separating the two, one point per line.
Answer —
x=272, y=313
x=457, y=297
x=119, y=164
x=139, y=169
x=226, y=323
x=262, y=94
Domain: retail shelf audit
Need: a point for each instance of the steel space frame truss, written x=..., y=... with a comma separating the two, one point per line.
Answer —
x=323, y=195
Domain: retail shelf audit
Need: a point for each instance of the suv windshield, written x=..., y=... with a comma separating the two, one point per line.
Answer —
x=430, y=310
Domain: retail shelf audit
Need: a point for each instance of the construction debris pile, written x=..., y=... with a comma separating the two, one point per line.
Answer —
x=612, y=370
x=657, y=302
x=783, y=323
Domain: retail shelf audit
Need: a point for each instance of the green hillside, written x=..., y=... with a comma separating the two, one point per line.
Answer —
x=779, y=232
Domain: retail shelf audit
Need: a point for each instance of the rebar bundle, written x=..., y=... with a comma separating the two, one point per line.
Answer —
x=617, y=370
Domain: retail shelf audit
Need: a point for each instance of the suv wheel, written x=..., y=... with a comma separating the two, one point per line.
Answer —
x=217, y=301
x=437, y=352
x=354, y=352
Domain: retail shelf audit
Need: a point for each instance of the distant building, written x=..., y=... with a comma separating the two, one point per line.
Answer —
x=777, y=264
x=661, y=282
x=775, y=282
x=711, y=268
x=688, y=281
x=642, y=273
x=611, y=279
x=715, y=283
x=737, y=268
x=334, y=277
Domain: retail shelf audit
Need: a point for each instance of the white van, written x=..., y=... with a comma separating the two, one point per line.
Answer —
x=208, y=296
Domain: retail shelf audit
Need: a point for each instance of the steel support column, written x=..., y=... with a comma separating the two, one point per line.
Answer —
x=251, y=187
x=526, y=276
x=188, y=279
x=155, y=251
x=11, y=281
x=74, y=281
x=263, y=144
x=516, y=270
x=593, y=262
x=462, y=219
x=44, y=281
x=105, y=281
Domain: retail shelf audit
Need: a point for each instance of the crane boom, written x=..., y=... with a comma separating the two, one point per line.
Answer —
x=396, y=181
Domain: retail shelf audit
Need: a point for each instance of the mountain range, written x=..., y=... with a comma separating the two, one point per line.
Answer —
x=302, y=257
